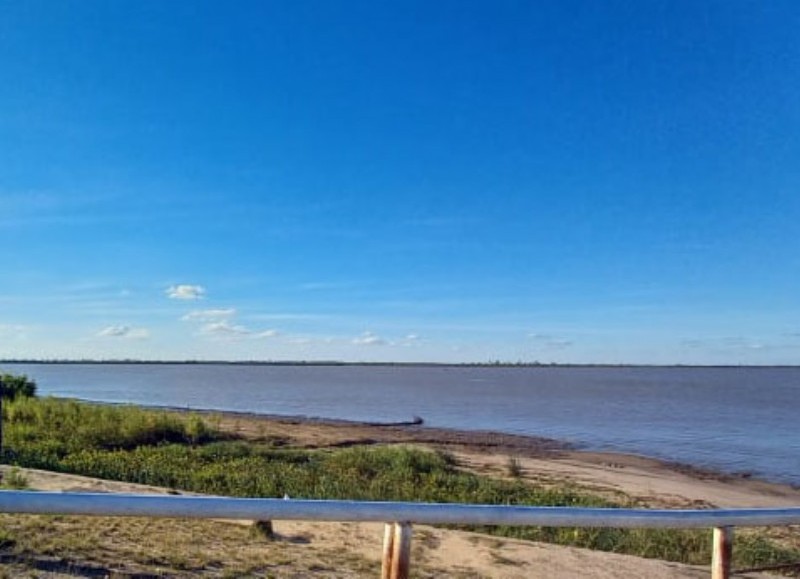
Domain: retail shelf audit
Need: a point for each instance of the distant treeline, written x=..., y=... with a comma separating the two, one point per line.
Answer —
x=490, y=364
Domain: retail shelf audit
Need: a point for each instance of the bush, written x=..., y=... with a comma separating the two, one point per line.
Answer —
x=48, y=429
x=12, y=387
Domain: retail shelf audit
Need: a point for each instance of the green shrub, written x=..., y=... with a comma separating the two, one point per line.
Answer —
x=13, y=386
x=60, y=427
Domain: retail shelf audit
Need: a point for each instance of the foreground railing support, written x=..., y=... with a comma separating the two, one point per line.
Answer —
x=722, y=553
x=396, y=551
x=388, y=551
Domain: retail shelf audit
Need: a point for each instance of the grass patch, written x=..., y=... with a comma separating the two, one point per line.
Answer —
x=41, y=432
x=13, y=480
x=163, y=449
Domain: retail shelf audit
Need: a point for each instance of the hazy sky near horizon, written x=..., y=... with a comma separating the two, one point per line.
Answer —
x=409, y=181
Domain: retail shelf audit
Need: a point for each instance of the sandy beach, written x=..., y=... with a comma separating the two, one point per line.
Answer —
x=654, y=482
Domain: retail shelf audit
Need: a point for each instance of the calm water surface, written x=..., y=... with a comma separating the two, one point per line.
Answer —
x=733, y=419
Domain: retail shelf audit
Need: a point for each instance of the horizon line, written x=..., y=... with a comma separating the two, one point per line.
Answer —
x=491, y=364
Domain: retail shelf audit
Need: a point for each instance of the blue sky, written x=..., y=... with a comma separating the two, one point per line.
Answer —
x=410, y=181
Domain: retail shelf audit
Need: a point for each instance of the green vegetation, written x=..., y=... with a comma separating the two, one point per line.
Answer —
x=43, y=432
x=13, y=386
x=13, y=480
x=184, y=452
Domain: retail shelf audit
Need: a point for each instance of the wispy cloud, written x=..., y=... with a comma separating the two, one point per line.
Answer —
x=725, y=343
x=124, y=332
x=369, y=339
x=289, y=317
x=225, y=329
x=410, y=340
x=742, y=343
x=213, y=315
x=219, y=323
x=186, y=292
x=549, y=341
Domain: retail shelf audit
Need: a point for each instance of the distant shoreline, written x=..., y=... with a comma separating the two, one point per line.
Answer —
x=328, y=363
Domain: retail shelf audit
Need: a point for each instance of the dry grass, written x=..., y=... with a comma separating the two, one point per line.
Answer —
x=181, y=548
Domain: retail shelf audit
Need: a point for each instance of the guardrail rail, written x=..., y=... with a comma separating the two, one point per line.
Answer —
x=399, y=517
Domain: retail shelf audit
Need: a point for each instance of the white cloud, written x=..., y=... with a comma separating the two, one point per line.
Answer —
x=220, y=323
x=410, y=340
x=209, y=315
x=186, y=292
x=268, y=334
x=224, y=329
x=114, y=331
x=124, y=332
x=369, y=339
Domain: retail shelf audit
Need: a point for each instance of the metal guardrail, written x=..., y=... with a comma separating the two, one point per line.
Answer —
x=398, y=535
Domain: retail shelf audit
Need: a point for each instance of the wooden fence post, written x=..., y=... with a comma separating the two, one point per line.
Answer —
x=401, y=561
x=722, y=553
x=396, y=551
x=388, y=551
